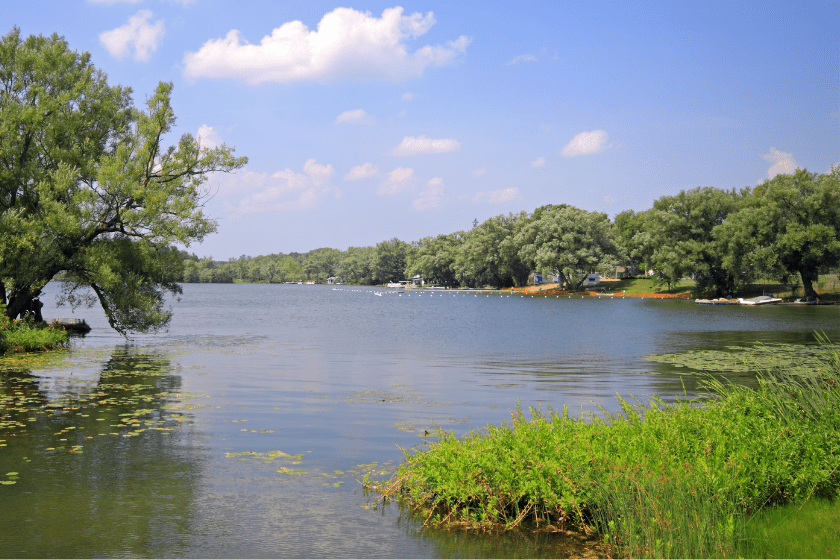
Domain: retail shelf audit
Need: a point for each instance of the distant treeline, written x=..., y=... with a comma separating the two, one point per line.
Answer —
x=786, y=227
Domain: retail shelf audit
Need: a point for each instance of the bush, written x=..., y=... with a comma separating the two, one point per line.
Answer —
x=24, y=335
x=656, y=479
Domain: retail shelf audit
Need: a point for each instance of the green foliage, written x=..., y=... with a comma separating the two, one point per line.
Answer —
x=320, y=264
x=28, y=336
x=433, y=258
x=568, y=241
x=657, y=479
x=789, y=225
x=356, y=264
x=388, y=264
x=489, y=254
x=677, y=235
x=86, y=186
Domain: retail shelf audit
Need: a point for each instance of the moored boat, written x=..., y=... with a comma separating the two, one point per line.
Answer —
x=760, y=300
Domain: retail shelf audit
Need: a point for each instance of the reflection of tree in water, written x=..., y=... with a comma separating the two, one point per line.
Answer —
x=103, y=469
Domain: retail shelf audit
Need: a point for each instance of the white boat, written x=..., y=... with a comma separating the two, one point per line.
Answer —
x=393, y=285
x=759, y=300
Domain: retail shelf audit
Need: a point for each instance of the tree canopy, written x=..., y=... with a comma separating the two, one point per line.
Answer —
x=788, y=225
x=723, y=239
x=87, y=187
x=569, y=242
x=677, y=237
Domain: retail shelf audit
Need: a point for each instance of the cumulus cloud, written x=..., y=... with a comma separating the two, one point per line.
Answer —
x=398, y=180
x=499, y=196
x=780, y=162
x=422, y=145
x=285, y=190
x=363, y=171
x=138, y=35
x=539, y=162
x=208, y=137
x=348, y=46
x=354, y=116
x=479, y=172
x=430, y=197
x=586, y=143
x=523, y=58
x=407, y=96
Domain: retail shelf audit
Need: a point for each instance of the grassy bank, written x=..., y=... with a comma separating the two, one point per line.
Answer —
x=27, y=336
x=828, y=287
x=684, y=479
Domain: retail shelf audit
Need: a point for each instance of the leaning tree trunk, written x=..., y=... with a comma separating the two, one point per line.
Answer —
x=23, y=304
x=809, y=276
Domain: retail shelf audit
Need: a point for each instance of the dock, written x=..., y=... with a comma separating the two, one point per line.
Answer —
x=719, y=301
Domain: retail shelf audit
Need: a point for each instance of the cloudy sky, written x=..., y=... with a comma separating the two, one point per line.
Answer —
x=374, y=120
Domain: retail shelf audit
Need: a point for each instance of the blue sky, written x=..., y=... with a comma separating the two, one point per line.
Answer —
x=368, y=121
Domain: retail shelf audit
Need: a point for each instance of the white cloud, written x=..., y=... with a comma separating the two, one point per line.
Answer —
x=354, y=116
x=431, y=197
x=407, y=96
x=780, y=162
x=285, y=190
x=479, y=172
x=610, y=199
x=499, y=196
x=348, y=46
x=586, y=143
x=398, y=180
x=523, y=58
x=208, y=137
x=539, y=162
x=422, y=145
x=361, y=172
x=138, y=35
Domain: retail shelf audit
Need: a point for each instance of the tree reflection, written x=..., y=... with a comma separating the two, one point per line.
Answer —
x=103, y=466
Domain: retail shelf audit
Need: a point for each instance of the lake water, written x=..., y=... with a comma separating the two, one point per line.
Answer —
x=243, y=430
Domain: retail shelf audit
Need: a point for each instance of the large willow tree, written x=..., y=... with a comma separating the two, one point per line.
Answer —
x=87, y=187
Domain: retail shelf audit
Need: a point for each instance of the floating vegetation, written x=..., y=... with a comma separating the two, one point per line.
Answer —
x=268, y=457
x=11, y=478
x=379, y=396
x=414, y=428
x=132, y=393
x=792, y=359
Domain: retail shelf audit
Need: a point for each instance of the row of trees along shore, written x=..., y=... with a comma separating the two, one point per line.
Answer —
x=787, y=228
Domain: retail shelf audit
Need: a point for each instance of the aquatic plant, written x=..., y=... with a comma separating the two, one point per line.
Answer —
x=665, y=479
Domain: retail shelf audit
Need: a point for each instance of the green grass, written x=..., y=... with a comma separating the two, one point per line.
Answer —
x=646, y=285
x=659, y=479
x=27, y=336
x=828, y=288
x=807, y=530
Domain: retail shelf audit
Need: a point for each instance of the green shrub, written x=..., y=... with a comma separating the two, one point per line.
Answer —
x=655, y=479
x=24, y=335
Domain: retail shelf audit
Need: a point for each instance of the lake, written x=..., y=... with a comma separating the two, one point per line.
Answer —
x=243, y=431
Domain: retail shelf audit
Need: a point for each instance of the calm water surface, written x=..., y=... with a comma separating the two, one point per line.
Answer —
x=242, y=431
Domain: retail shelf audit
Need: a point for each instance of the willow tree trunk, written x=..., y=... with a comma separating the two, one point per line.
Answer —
x=23, y=304
x=809, y=276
